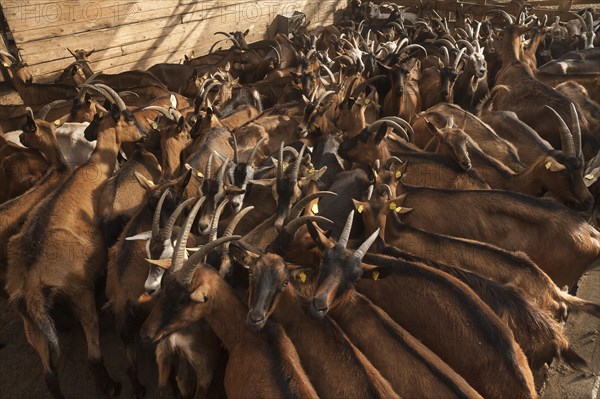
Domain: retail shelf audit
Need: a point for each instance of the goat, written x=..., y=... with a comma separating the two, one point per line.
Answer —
x=472, y=84
x=15, y=67
x=326, y=339
x=437, y=294
x=537, y=220
x=437, y=82
x=403, y=99
x=200, y=293
x=31, y=287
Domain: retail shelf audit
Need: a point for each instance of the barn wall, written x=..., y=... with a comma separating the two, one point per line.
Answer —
x=136, y=34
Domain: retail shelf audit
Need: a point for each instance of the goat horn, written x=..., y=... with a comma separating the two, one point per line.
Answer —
x=179, y=252
x=468, y=45
x=362, y=250
x=300, y=205
x=208, y=169
x=128, y=93
x=280, y=163
x=412, y=46
x=187, y=271
x=469, y=31
x=174, y=216
x=255, y=150
x=331, y=76
x=276, y=52
x=7, y=54
x=476, y=33
x=214, y=225
x=296, y=169
x=42, y=113
x=91, y=78
x=295, y=224
x=506, y=16
x=576, y=131
x=580, y=18
x=117, y=100
x=445, y=42
x=402, y=123
x=162, y=110
x=566, y=140
x=375, y=125
x=590, y=21
x=323, y=97
x=370, y=192
x=157, y=211
x=343, y=241
x=458, y=58
x=446, y=56
x=221, y=172
x=236, y=219
x=364, y=85
x=72, y=53
x=100, y=90
x=388, y=162
x=236, y=158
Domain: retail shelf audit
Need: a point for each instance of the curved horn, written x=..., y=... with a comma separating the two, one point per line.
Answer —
x=100, y=90
x=157, y=211
x=236, y=219
x=297, y=163
x=445, y=42
x=388, y=162
x=214, y=225
x=174, y=216
x=8, y=55
x=331, y=76
x=343, y=241
x=412, y=46
x=255, y=150
x=362, y=250
x=221, y=172
x=375, y=125
x=402, y=123
x=468, y=45
x=179, y=252
x=566, y=140
x=117, y=100
x=280, y=163
x=301, y=204
x=162, y=110
x=389, y=190
x=42, y=113
x=576, y=131
x=295, y=224
x=276, y=52
x=370, y=192
x=187, y=271
x=584, y=26
x=458, y=58
x=236, y=158
x=445, y=55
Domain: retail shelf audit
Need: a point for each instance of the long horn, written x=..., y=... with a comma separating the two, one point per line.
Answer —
x=187, y=271
x=590, y=21
x=323, y=97
x=117, y=100
x=175, y=215
x=362, y=250
x=236, y=219
x=375, y=125
x=412, y=46
x=236, y=158
x=331, y=76
x=445, y=55
x=301, y=204
x=214, y=225
x=278, y=54
x=458, y=58
x=72, y=53
x=576, y=131
x=445, y=42
x=468, y=45
x=208, y=169
x=8, y=55
x=402, y=123
x=477, y=29
x=566, y=140
x=100, y=90
x=162, y=110
x=296, y=169
x=221, y=172
x=230, y=37
x=370, y=192
x=343, y=241
x=157, y=211
x=255, y=150
x=179, y=252
x=388, y=162
x=389, y=190
x=280, y=163
x=42, y=113
x=295, y=224
x=583, y=23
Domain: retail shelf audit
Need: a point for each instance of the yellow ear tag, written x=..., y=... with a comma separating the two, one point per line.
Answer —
x=199, y=174
x=367, y=101
x=361, y=208
x=398, y=174
x=311, y=169
x=393, y=206
x=375, y=275
x=284, y=167
x=151, y=182
x=374, y=172
x=589, y=177
x=154, y=125
x=57, y=122
x=548, y=165
x=5, y=65
x=302, y=277
x=315, y=209
x=101, y=114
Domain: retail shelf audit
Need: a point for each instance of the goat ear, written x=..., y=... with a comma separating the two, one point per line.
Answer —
x=244, y=254
x=148, y=185
x=314, y=175
x=233, y=190
x=437, y=133
x=263, y=182
x=246, y=32
x=181, y=124
x=200, y=294
x=115, y=112
x=30, y=123
x=359, y=205
x=162, y=263
x=553, y=165
x=195, y=172
x=375, y=272
x=300, y=273
x=146, y=235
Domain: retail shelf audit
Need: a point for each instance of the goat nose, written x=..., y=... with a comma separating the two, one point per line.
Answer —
x=319, y=306
x=203, y=227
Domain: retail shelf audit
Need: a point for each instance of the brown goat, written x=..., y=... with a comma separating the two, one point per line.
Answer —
x=40, y=268
x=20, y=169
x=445, y=306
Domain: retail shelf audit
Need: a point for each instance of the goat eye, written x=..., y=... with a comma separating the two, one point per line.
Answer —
x=285, y=283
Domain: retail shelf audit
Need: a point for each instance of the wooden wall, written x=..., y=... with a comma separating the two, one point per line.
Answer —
x=136, y=34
